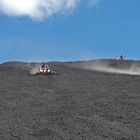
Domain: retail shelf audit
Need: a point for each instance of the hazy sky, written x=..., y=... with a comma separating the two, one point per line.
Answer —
x=36, y=30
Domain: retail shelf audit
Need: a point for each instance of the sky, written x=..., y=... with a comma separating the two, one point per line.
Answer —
x=68, y=30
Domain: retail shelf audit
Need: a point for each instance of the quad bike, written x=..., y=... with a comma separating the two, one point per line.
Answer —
x=45, y=71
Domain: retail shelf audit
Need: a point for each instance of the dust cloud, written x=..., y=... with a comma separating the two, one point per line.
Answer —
x=118, y=67
x=33, y=69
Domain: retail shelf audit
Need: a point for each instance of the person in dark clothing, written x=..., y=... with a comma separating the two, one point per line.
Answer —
x=121, y=57
x=43, y=65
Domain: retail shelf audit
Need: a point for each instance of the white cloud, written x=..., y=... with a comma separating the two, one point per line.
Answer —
x=38, y=9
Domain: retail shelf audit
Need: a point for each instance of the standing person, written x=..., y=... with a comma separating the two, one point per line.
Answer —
x=121, y=57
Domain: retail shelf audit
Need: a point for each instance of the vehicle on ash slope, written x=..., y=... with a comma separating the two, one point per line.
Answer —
x=45, y=70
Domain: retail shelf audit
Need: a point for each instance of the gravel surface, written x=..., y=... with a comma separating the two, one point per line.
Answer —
x=75, y=104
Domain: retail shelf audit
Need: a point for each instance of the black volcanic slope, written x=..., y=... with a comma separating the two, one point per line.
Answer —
x=75, y=104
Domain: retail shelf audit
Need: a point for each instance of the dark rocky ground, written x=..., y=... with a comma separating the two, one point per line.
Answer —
x=75, y=104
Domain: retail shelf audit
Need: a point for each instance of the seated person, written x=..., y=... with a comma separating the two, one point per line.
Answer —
x=43, y=65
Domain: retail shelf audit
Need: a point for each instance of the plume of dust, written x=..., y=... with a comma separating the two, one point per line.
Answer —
x=33, y=69
x=104, y=67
